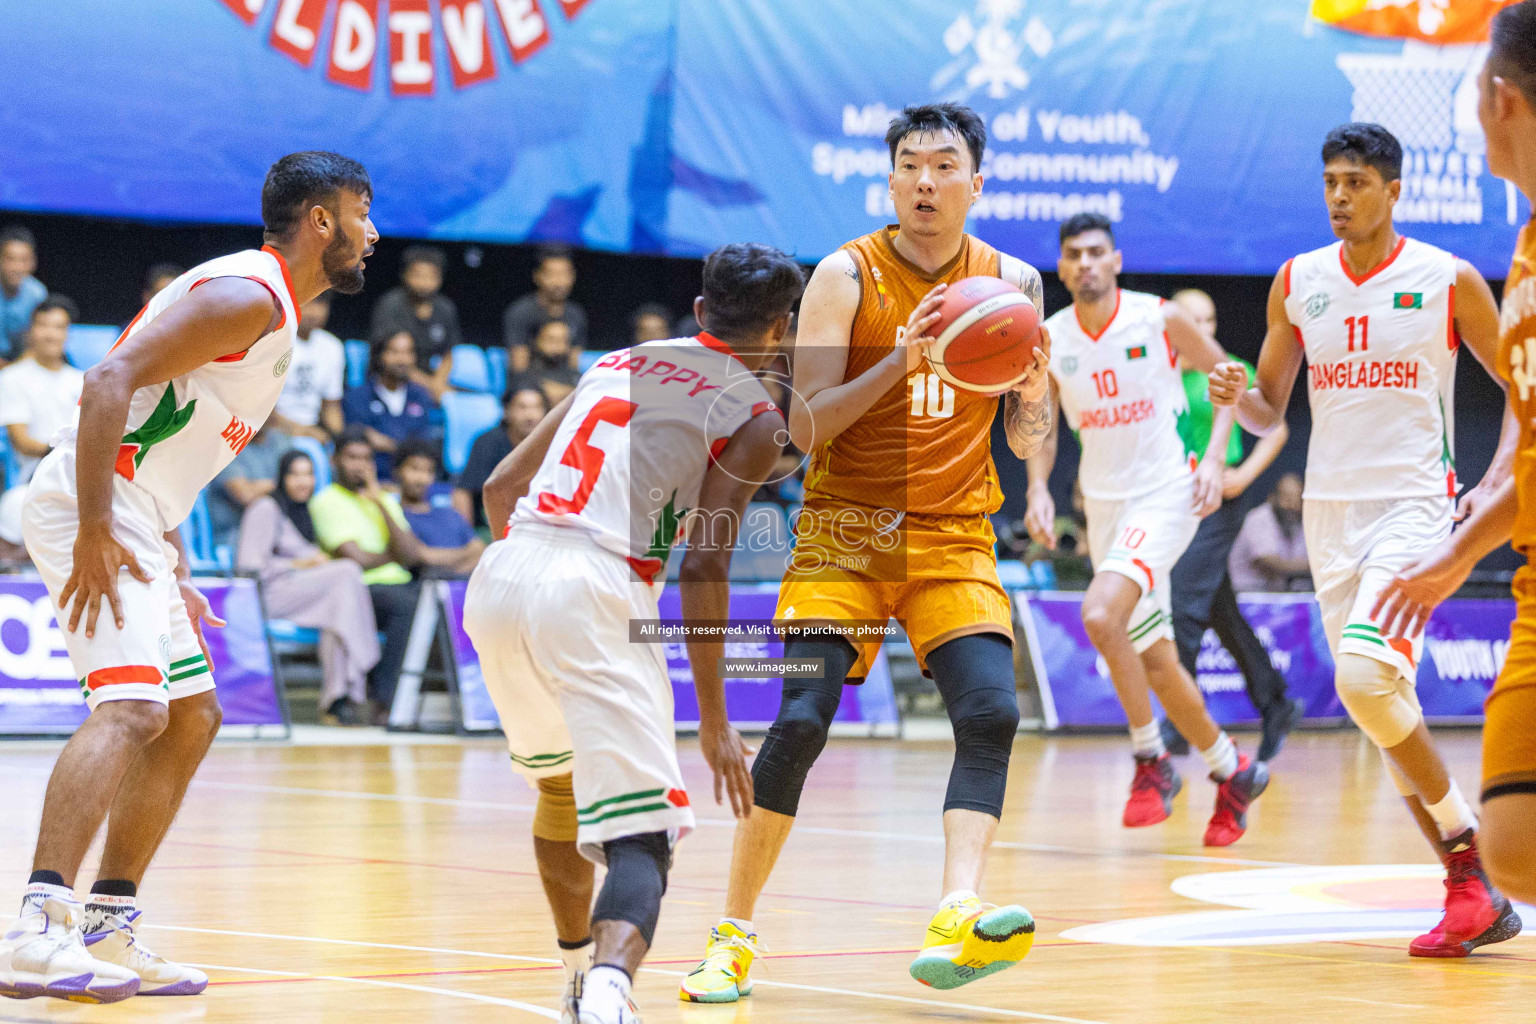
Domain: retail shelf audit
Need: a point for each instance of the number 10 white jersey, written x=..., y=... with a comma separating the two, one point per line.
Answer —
x=1381, y=353
x=645, y=424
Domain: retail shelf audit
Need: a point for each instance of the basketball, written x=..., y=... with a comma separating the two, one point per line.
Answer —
x=986, y=336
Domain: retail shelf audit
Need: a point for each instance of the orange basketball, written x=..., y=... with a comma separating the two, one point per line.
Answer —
x=986, y=335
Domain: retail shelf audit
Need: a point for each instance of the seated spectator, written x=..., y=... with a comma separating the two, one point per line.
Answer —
x=13, y=552
x=304, y=585
x=356, y=520
x=1271, y=547
x=40, y=392
x=310, y=405
x=157, y=277
x=651, y=322
x=418, y=307
x=389, y=406
x=252, y=475
x=448, y=541
x=523, y=407
x=553, y=279
x=20, y=292
x=551, y=368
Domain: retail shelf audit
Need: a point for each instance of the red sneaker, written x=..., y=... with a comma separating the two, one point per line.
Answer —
x=1476, y=914
x=1152, y=791
x=1232, y=799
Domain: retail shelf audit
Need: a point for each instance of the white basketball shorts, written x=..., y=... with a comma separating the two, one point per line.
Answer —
x=155, y=656
x=1141, y=538
x=1355, y=548
x=548, y=612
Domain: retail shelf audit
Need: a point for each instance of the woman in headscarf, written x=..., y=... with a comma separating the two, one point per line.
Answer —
x=304, y=585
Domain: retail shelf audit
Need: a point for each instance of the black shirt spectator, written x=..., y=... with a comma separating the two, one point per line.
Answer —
x=418, y=307
x=553, y=279
x=523, y=408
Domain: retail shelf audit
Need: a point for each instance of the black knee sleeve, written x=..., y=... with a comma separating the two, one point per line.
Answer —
x=800, y=731
x=975, y=677
x=636, y=882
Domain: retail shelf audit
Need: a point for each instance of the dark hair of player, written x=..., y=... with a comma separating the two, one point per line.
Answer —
x=940, y=117
x=417, y=448
x=353, y=433
x=429, y=254
x=1367, y=144
x=17, y=233
x=747, y=286
x=301, y=180
x=1513, y=52
x=60, y=302
x=160, y=272
x=1082, y=223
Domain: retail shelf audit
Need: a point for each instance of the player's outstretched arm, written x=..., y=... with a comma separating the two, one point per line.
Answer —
x=823, y=405
x=705, y=592
x=510, y=479
x=1477, y=321
x=222, y=317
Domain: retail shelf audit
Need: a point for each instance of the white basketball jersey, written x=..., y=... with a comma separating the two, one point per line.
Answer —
x=1381, y=354
x=181, y=433
x=644, y=426
x=1122, y=392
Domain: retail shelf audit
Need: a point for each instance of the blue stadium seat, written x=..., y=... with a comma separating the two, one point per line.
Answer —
x=88, y=344
x=12, y=475
x=283, y=631
x=197, y=538
x=357, y=363
x=319, y=455
x=466, y=416
x=588, y=359
x=1013, y=574
x=471, y=370
x=496, y=359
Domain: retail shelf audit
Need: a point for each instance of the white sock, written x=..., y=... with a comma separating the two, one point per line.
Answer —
x=1147, y=741
x=37, y=892
x=1453, y=814
x=576, y=961
x=605, y=992
x=100, y=906
x=1221, y=758
x=958, y=896
x=741, y=925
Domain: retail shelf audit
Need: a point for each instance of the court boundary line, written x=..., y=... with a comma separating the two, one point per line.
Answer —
x=476, y=997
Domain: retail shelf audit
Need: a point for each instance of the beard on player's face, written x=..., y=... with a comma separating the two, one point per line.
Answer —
x=342, y=263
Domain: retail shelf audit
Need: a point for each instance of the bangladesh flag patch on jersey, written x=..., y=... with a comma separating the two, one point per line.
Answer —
x=1408, y=300
x=1136, y=352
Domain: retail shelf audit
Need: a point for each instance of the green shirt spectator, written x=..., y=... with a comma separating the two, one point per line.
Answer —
x=1195, y=425
x=341, y=515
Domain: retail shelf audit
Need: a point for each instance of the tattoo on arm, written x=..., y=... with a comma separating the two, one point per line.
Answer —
x=1030, y=284
x=1027, y=423
x=852, y=271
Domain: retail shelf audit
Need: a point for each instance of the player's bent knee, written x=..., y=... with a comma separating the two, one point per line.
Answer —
x=1369, y=690
x=140, y=722
x=554, y=817
x=636, y=882
x=1102, y=622
x=992, y=721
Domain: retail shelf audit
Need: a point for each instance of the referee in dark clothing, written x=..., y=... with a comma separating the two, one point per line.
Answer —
x=1202, y=590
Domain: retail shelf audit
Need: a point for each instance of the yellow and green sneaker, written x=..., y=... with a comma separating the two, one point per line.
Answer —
x=970, y=940
x=726, y=973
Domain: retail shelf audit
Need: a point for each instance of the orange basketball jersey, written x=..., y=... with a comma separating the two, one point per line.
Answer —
x=1517, y=364
x=924, y=447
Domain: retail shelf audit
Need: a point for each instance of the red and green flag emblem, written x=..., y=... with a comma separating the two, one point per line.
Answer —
x=1136, y=352
x=1408, y=300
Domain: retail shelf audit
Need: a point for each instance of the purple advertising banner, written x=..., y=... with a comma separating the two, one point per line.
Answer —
x=1465, y=644
x=752, y=703
x=40, y=693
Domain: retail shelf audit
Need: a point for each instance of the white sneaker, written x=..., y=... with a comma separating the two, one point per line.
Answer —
x=44, y=955
x=570, y=1002
x=117, y=944
x=628, y=1014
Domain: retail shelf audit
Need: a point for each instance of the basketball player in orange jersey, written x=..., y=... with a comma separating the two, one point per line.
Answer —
x=1507, y=110
x=895, y=524
x=1380, y=319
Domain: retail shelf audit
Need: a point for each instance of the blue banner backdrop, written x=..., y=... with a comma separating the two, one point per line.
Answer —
x=678, y=126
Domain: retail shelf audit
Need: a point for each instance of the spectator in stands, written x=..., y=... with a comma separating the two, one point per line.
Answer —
x=13, y=552
x=252, y=475
x=448, y=541
x=157, y=277
x=553, y=279
x=1271, y=547
x=418, y=307
x=356, y=520
x=551, y=365
x=523, y=407
x=390, y=407
x=20, y=292
x=304, y=585
x=40, y=392
x=310, y=405
x=651, y=322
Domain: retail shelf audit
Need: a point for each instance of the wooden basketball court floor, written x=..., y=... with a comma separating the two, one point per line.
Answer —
x=395, y=883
